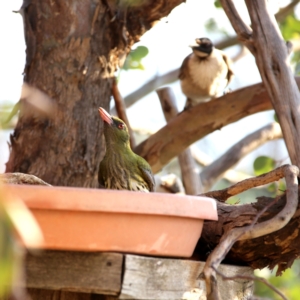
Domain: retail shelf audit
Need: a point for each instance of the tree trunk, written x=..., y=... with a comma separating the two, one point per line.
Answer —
x=73, y=50
x=62, y=61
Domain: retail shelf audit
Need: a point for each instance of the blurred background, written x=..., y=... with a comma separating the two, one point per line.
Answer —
x=161, y=50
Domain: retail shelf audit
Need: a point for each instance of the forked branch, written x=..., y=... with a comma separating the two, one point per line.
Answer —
x=290, y=173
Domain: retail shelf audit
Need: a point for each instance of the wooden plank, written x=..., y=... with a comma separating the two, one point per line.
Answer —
x=157, y=278
x=41, y=294
x=87, y=272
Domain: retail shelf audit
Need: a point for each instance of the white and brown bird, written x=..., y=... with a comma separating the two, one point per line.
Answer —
x=205, y=73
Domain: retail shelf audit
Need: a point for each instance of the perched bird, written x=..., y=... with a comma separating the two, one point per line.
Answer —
x=205, y=73
x=121, y=168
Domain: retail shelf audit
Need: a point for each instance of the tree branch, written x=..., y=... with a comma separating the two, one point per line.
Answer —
x=212, y=263
x=189, y=171
x=189, y=127
x=172, y=76
x=233, y=155
x=121, y=110
x=271, y=55
x=243, y=31
x=253, y=231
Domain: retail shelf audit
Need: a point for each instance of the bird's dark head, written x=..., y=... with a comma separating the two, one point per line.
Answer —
x=203, y=47
x=115, y=130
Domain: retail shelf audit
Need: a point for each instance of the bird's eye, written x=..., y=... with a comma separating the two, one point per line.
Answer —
x=121, y=126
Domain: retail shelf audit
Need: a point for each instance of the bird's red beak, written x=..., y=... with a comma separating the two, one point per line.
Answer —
x=105, y=116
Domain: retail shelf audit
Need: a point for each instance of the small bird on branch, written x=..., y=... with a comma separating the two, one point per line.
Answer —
x=205, y=73
x=121, y=168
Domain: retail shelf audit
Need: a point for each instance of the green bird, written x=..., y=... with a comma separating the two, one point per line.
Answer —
x=121, y=168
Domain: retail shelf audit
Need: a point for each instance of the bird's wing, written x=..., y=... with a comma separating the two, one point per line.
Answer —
x=183, y=71
x=147, y=175
x=230, y=73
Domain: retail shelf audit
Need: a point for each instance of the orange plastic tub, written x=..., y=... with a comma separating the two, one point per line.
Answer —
x=107, y=220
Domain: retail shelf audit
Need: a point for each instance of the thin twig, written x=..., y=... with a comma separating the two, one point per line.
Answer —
x=242, y=53
x=242, y=186
x=260, y=279
x=244, y=32
x=215, y=258
x=121, y=110
x=234, y=154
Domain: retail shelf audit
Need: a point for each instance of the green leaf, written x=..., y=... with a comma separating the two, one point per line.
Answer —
x=139, y=53
x=211, y=25
x=272, y=188
x=217, y=4
x=290, y=28
x=276, y=118
x=8, y=112
x=263, y=164
x=133, y=60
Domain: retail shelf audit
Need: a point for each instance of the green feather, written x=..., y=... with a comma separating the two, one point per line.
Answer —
x=121, y=168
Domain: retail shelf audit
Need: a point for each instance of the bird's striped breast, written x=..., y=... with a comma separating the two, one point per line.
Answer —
x=121, y=177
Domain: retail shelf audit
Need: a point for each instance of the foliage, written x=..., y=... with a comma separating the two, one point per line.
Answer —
x=7, y=251
x=217, y=4
x=6, y=115
x=134, y=58
x=263, y=164
x=290, y=29
x=212, y=26
x=288, y=283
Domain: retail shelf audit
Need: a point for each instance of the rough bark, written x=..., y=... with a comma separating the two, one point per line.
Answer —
x=73, y=50
x=278, y=248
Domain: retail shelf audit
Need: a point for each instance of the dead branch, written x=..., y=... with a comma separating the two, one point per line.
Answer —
x=121, y=110
x=253, y=231
x=189, y=171
x=242, y=186
x=233, y=155
x=21, y=178
x=212, y=263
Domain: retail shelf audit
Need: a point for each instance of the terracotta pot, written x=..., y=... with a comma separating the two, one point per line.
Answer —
x=107, y=220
